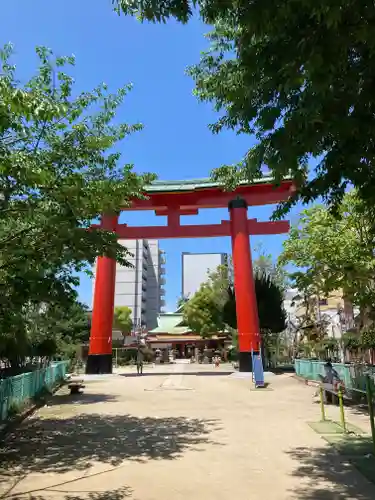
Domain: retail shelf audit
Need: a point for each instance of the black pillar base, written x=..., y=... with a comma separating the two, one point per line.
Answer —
x=245, y=362
x=99, y=364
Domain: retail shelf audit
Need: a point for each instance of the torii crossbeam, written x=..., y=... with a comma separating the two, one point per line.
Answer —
x=174, y=199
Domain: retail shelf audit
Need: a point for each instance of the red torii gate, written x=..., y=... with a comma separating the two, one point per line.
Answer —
x=174, y=199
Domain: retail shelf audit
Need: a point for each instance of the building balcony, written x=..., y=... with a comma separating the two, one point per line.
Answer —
x=162, y=291
x=161, y=270
x=162, y=281
x=162, y=303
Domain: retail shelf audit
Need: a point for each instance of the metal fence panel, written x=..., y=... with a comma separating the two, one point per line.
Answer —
x=353, y=375
x=15, y=391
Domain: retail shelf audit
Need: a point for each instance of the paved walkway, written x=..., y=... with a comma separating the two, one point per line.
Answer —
x=178, y=433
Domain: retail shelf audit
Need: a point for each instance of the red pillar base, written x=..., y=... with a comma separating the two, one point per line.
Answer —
x=99, y=364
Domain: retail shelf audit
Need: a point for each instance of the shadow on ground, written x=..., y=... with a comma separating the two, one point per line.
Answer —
x=64, y=444
x=324, y=464
x=80, y=399
x=359, y=407
x=280, y=370
x=118, y=494
x=172, y=374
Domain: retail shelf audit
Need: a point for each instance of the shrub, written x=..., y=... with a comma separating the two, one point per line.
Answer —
x=368, y=337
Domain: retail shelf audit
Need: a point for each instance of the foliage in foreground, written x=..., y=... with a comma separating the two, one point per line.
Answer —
x=332, y=253
x=59, y=170
x=56, y=331
x=297, y=76
x=212, y=309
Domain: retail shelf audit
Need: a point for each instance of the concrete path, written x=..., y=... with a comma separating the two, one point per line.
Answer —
x=178, y=433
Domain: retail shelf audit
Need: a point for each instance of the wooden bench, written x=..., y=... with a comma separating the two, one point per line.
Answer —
x=76, y=387
x=330, y=389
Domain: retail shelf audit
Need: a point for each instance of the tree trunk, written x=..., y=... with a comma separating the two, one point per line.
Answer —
x=348, y=313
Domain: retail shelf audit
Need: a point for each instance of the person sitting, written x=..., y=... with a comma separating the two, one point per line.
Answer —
x=331, y=375
x=330, y=381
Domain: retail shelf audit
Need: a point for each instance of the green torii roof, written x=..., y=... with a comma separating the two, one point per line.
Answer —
x=194, y=184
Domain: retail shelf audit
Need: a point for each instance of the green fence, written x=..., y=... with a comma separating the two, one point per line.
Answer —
x=15, y=391
x=353, y=375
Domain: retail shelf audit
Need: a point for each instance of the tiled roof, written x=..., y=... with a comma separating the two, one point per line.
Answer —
x=181, y=338
x=170, y=323
x=194, y=184
x=177, y=330
x=174, y=338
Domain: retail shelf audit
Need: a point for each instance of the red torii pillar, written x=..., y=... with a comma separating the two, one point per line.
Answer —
x=244, y=286
x=100, y=350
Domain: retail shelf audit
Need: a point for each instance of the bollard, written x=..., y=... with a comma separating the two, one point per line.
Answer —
x=342, y=414
x=370, y=408
x=322, y=409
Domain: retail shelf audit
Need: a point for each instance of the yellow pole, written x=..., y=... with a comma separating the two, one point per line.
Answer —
x=370, y=403
x=342, y=414
x=322, y=409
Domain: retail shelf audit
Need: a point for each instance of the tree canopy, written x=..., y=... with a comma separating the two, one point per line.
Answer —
x=296, y=76
x=270, y=301
x=264, y=265
x=122, y=319
x=47, y=331
x=203, y=312
x=212, y=308
x=59, y=170
x=334, y=252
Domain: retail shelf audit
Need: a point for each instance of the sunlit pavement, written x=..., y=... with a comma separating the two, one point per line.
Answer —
x=178, y=432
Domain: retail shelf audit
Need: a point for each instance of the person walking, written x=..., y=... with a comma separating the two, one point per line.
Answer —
x=139, y=361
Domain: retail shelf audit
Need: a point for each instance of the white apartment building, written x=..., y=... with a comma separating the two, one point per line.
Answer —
x=141, y=287
x=196, y=268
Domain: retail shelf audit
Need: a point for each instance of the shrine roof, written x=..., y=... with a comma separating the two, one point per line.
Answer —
x=170, y=323
x=159, y=186
x=182, y=338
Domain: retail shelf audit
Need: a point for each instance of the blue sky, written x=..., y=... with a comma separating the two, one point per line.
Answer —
x=175, y=142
